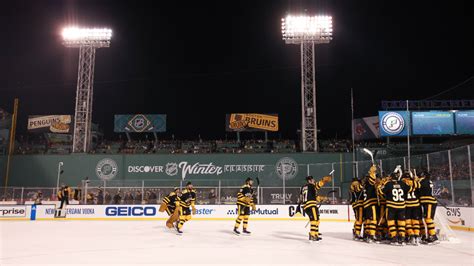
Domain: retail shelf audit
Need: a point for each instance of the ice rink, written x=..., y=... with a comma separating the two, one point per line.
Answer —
x=209, y=242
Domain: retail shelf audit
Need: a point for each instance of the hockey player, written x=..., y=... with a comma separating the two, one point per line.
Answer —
x=170, y=204
x=370, y=205
x=413, y=209
x=357, y=201
x=309, y=197
x=428, y=203
x=186, y=203
x=244, y=203
x=63, y=196
x=395, y=192
x=382, y=229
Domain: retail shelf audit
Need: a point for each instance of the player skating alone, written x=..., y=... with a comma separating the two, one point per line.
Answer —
x=310, y=199
x=244, y=203
x=186, y=203
x=63, y=196
x=170, y=204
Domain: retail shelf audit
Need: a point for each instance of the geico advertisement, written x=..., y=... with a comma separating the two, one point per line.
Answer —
x=12, y=211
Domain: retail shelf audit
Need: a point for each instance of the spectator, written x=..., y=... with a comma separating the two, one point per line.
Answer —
x=117, y=198
x=128, y=199
x=212, y=197
x=108, y=198
x=100, y=196
x=138, y=198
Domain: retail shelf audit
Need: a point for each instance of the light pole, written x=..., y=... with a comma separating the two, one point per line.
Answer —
x=60, y=164
x=307, y=31
x=87, y=40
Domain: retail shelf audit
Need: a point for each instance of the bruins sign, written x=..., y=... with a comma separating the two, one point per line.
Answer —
x=251, y=122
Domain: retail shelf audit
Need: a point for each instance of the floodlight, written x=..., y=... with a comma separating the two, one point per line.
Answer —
x=314, y=29
x=96, y=37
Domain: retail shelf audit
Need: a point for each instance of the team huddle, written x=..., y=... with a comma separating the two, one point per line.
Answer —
x=398, y=209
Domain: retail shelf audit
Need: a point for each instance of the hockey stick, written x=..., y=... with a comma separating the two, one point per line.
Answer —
x=371, y=154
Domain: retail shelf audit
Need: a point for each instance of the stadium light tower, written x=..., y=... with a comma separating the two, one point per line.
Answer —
x=87, y=40
x=307, y=31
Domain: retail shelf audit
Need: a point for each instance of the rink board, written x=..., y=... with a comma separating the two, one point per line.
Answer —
x=460, y=218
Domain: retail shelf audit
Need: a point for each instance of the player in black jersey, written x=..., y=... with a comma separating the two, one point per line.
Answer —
x=395, y=191
x=244, y=203
x=412, y=209
x=357, y=201
x=370, y=205
x=310, y=199
x=170, y=204
x=186, y=203
x=63, y=195
x=428, y=203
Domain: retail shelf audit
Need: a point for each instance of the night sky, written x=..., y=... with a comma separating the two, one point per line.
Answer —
x=198, y=60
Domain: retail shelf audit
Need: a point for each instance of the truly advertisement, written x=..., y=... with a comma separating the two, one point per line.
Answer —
x=12, y=211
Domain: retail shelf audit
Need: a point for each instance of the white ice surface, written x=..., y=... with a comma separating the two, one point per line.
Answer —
x=208, y=242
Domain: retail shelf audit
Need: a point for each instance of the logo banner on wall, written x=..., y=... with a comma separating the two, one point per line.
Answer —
x=394, y=123
x=366, y=128
x=50, y=123
x=251, y=122
x=140, y=123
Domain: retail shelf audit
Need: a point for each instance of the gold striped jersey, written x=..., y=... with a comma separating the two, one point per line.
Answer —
x=245, y=196
x=172, y=200
x=188, y=198
x=309, y=194
x=357, y=191
x=380, y=194
x=395, y=193
x=412, y=195
x=426, y=192
x=370, y=192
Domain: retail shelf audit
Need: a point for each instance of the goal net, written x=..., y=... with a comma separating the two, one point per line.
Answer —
x=443, y=230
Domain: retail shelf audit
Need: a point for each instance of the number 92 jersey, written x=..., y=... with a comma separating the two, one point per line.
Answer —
x=395, y=193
